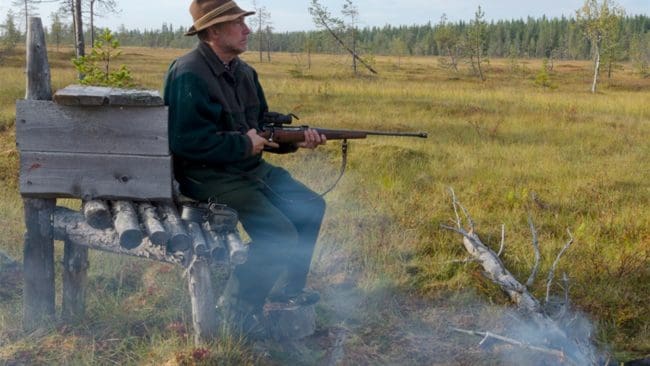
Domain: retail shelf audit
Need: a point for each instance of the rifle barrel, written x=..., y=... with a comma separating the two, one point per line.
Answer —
x=423, y=135
x=371, y=132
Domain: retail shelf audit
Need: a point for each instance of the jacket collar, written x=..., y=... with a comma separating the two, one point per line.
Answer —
x=214, y=62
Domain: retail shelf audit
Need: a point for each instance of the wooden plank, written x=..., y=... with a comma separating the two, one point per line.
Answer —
x=83, y=95
x=46, y=126
x=91, y=176
x=78, y=95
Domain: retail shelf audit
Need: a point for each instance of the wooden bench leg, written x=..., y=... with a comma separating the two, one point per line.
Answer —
x=204, y=314
x=38, y=264
x=75, y=270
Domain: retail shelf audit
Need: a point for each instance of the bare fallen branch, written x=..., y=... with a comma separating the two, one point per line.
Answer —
x=487, y=335
x=496, y=271
x=457, y=205
x=459, y=224
x=533, y=273
x=551, y=272
x=503, y=240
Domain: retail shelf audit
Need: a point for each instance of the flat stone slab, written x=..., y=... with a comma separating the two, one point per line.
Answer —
x=84, y=95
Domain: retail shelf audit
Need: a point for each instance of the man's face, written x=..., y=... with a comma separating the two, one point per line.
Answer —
x=233, y=36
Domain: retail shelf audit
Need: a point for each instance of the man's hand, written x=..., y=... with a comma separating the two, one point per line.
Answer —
x=312, y=139
x=259, y=142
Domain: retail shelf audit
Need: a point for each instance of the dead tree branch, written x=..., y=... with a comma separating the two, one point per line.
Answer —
x=533, y=273
x=487, y=335
x=551, y=272
x=503, y=240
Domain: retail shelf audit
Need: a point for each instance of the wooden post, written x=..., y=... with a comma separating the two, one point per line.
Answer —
x=38, y=264
x=75, y=268
x=38, y=67
x=204, y=314
x=38, y=252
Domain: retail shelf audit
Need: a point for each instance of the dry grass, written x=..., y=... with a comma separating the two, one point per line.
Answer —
x=382, y=253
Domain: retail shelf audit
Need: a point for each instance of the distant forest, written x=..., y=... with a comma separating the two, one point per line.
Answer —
x=559, y=38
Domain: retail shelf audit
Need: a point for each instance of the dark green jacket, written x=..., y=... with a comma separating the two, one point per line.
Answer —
x=211, y=108
x=210, y=111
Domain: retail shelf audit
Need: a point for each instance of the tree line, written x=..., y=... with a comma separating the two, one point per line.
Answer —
x=533, y=37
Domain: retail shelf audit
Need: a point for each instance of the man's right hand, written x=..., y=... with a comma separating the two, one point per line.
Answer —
x=259, y=142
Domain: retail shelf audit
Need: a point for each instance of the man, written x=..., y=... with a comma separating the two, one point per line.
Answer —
x=216, y=104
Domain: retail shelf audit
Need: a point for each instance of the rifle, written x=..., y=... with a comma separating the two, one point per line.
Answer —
x=274, y=129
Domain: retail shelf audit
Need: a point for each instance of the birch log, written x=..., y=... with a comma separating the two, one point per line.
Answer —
x=237, y=250
x=215, y=244
x=71, y=226
x=152, y=224
x=97, y=214
x=199, y=243
x=126, y=224
x=179, y=240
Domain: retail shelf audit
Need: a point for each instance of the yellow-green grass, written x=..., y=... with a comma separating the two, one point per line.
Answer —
x=498, y=143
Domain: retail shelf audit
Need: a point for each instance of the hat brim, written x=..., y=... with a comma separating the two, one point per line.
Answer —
x=222, y=19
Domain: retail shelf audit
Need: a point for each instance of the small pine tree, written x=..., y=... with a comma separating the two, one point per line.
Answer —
x=96, y=67
x=9, y=34
x=543, y=77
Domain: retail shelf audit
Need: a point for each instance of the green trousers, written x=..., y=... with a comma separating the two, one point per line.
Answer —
x=280, y=215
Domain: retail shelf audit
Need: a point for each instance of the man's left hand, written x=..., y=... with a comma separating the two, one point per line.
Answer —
x=312, y=139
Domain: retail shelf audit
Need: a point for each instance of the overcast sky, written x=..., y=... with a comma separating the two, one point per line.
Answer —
x=291, y=15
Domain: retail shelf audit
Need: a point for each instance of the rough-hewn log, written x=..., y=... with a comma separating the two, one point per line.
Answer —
x=286, y=322
x=179, y=240
x=126, y=224
x=38, y=251
x=97, y=214
x=204, y=316
x=75, y=280
x=38, y=264
x=38, y=68
x=154, y=228
x=72, y=226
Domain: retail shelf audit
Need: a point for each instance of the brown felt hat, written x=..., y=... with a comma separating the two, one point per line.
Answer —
x=209, y=12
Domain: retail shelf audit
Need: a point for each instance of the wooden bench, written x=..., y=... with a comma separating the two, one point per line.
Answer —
x=109, y=148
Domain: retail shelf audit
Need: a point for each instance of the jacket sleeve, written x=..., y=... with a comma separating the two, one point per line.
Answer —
x=194, y=131
x=284, y=148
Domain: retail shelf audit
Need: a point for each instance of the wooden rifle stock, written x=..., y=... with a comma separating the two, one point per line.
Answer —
x=282, y=134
